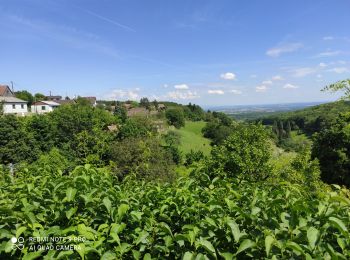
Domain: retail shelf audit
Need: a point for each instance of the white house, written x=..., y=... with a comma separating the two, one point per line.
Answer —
x=10, y=104
x=42, y=107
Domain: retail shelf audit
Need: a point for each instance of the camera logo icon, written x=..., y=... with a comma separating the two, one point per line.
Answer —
x=17, y=243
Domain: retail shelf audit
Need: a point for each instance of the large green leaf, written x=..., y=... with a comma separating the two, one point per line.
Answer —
x=207, y=246
x=70, y=193
x=108, y=204
x=246, y=244
x=312, y=236
x=269, y=240
x=336, y=222
x=235, y=230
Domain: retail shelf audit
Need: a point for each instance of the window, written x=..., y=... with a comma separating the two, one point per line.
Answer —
x=43, y=107
x=22, y=106
x=13, y=106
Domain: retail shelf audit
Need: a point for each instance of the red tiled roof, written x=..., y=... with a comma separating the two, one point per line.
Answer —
x=4, y=89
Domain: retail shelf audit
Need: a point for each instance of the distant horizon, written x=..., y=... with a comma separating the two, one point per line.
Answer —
x=204, y=52
x=274, y=104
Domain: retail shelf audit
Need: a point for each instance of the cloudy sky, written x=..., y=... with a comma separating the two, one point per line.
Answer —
x=218, y=52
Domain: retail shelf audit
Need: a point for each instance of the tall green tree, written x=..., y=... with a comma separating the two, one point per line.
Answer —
x=144, y=102
x=16, y=144
x=25, y=95
x=175, y=117
x=245, y=153
x=332, y=148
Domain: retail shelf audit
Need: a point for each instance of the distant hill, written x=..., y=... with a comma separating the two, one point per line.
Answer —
x=311, y=119
x=251, y=112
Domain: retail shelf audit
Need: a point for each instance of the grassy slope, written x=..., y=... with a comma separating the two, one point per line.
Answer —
x=192, y=138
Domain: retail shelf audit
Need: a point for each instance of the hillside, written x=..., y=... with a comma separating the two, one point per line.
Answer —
x=192, y=138
x=310, y=119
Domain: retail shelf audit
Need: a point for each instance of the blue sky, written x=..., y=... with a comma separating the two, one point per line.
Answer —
x=205, y=52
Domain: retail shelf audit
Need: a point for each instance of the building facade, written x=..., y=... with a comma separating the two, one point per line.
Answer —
x=42, y=107
x=10, y=104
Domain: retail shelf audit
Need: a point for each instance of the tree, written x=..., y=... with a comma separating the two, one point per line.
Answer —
x=121, y=113
x=16, y=144
x=42, y=129
x=175, y=117
x=288, y=130
x=72, y=119
x=223, y=118
x=144, y=157
x=342, y=85
x=136, y=127
x=39, y=96
x=155, y=104
x=144, y=102
x=92, y=147
x=331, y=148
x=173, y=140
x=25, y=95
x=245, y=153
x=216, y=132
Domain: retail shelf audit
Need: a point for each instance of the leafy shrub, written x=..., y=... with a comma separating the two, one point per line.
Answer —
x=331, y=148
x=144, y=157
x=136, y=127
x=193, y=156
x=175, y=117
x=16, y=144
x=192, y=217
x=245, y=153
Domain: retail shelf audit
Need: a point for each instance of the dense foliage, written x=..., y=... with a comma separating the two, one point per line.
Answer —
x=193, y=217
x=331, y=147
x=138, y=196
x=244, y=154
x=312, y=119
x=175, y=117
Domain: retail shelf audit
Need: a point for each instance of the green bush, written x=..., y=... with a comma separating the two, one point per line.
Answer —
x=175, y=117
x=190, y=218
x=245, y=153
x=331, y=148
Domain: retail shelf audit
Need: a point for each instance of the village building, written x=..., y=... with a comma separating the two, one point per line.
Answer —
x=91, y=100
x=42, y=107
x=53, y=98
x=10, y=104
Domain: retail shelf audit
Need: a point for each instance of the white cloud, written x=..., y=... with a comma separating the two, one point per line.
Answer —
x=302, y=72
x=122, y=94
x=235, y=91
x=290, y=86
x=277, y=77
x=182, y=95
x=328, y=38
x=228, y=76
x=181, y=86
x=328, y=54
x=283, y=48
x=319, y=76
x=339, y=70
x=267, y=82
x=216, y=92
x=322, y=65
x=165, y=85
x=253, y=76
x=261, y=88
